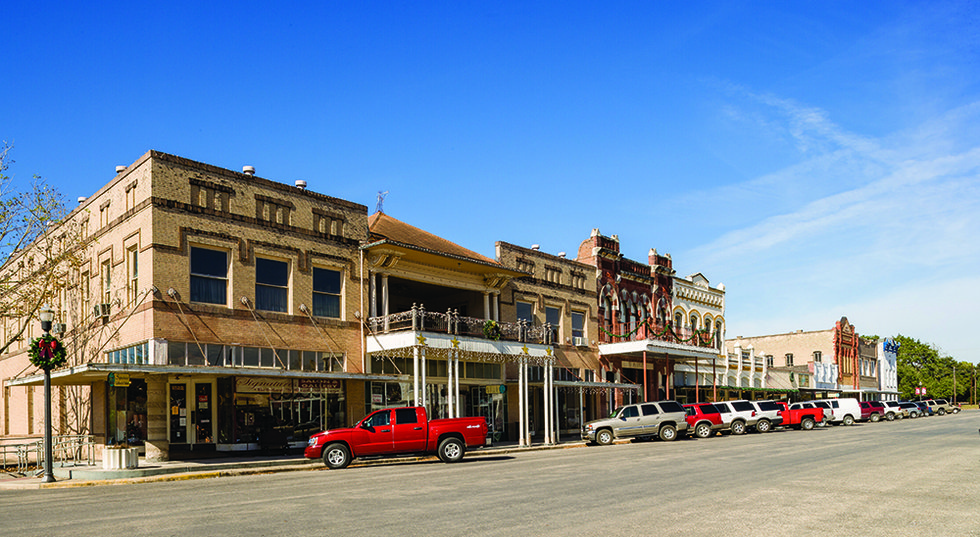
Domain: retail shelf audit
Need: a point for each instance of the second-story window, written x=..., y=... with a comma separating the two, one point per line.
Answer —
x=326, y=293
x=578, y=328
x=769, y=360
x=106, y=282
x=553, y=317
x=817, y=356
x=525, y=312
x=132, y=259
x=271, y=285
x=789, y=359
x=209, y=276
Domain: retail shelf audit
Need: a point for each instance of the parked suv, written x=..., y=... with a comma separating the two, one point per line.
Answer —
x=663, y=419
x=769, y=414
x=942, y=406
x=872, y=411
x=845, y=410
x=893, y=410
x=911, y=409
x=703, y=419
x=738, y=415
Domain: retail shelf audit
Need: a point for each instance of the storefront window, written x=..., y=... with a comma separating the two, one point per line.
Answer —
x=127, y=414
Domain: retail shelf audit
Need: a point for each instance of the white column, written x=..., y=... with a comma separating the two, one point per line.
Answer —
x=373, y=293
x=547, y=403
x=415, y=375
x=521, y=435
x=424, y=391
x=449, y=388
x=384, y=298
x=456, y=375
x=496, y=307
x=486, y=306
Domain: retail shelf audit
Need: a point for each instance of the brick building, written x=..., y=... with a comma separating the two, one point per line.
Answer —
x=221, y=305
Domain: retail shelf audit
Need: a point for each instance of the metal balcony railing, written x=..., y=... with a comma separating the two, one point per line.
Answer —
x=451, y=322
x=616, y=332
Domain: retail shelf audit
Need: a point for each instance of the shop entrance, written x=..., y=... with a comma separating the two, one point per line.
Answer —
x=192, y=413
x=489, y=402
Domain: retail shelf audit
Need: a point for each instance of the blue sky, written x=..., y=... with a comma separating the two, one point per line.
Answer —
x=820, y=159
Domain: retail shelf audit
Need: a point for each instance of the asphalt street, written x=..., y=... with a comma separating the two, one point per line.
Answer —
x=913, y=477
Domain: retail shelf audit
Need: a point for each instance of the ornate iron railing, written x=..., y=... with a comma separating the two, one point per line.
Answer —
x=451, y=322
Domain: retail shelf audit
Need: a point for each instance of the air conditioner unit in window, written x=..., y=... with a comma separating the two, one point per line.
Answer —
x=101, y=310
x=578, y=341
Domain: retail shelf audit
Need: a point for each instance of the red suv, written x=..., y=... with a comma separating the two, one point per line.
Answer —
x=704, y=419
x=872, y=411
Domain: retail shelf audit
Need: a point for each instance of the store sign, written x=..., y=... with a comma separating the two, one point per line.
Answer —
x=119, y=380
x=496, y=389
x=262, y=385
x=320, y=385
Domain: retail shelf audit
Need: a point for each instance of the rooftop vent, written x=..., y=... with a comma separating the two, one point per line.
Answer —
x=535, y=247
x=120, y=169
x=301, y=184
x=81, y=199
x=248, y=170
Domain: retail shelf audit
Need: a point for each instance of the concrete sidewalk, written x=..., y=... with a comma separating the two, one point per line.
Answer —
x=84, y=476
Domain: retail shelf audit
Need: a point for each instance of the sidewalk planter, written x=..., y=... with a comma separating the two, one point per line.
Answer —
x=120, y=458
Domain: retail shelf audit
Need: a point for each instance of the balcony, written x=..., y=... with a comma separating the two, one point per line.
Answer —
x=613, y=332
x=419, y=320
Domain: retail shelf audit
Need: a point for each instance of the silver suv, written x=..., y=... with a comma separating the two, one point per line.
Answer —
x=942, y=406
x=769, y=415
x=662, y=419
x=739, y=414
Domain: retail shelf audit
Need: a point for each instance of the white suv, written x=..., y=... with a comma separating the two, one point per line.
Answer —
x=739, y=415
x=844, y=410
x=769, y=415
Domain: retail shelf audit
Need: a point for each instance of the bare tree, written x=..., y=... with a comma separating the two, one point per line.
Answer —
x=41, y=250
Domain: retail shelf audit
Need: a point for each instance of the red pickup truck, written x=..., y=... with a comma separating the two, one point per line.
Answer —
x=801, y=415
x=398, y=431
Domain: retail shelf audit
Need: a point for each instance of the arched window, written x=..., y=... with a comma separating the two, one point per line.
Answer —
x=694, y=322
x=678, y=320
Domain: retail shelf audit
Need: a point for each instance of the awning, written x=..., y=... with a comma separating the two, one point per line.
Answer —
x=93, y=372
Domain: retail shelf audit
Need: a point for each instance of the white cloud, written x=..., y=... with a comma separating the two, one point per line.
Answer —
x=881, y=230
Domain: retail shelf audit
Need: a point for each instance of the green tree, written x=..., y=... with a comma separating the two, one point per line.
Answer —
x=922, y=364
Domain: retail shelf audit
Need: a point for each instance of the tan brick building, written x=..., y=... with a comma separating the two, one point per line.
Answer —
x=222, y=305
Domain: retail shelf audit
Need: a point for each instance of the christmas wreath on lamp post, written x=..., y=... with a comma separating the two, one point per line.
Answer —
x=47, y=352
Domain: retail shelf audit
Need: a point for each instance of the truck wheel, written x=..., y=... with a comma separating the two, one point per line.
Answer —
x=702, y=430
x=451, y=450
x=890, y=416
x=848, y=420
x=875, y=418
x=807, y=424
x=941, y=412
x=668, y=433
x=764, y=426
x=738, y=427
x=604, y=437
x=336, y=456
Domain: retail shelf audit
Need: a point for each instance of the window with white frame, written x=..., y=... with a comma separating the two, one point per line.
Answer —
x=789, y=359
x=326, y=292
x=271, y=285
x=817, y=356
x=106, y=277
x=209, y=276
x=133, y=271
x=578, y=328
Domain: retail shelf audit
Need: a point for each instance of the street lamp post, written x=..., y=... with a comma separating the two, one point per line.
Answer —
x=46, y=316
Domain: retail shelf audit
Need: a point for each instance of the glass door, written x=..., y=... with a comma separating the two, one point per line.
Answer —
x=202, y=422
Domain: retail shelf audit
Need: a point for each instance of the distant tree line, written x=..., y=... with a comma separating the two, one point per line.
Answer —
x=922, y=364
